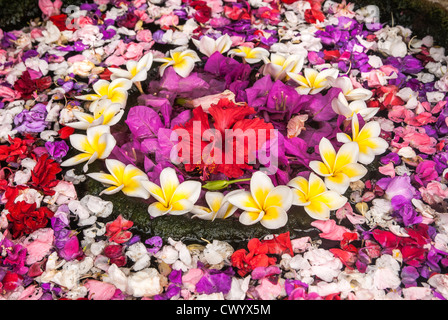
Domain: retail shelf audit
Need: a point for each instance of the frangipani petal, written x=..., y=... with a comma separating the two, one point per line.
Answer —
x=320, y=168
x=154, y=190
x=316, y=186
x=214, y=200
x=157, y=209
x=260, y=186
x=274, y=218
x=116, y=168
x=251, y=217
x=354, y=171
x=244, y=201
x=181, y=206
x=331, y=199
x=168, y=182
x=112, y=190
x=103, y=177
x=327, y=153
x=184, y=67
x=318, y=210
x=73, y=161
x=338, y=182
x=280, y=196
x=189, y=190
x=348, y=153
x=299, y=183
x=120, y=83
x=101, y=87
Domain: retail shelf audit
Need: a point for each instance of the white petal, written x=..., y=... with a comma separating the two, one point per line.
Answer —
x=189, y=190
x=260, y=186
x=168, y=182
x=249, y=218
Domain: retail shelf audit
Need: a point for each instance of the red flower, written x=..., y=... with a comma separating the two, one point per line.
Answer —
x=18, y=149
x=44, y=174
x=312, y=16
x=25, y=218
x=116, y=230
x=203, y=13
x=258, y=253
x=11, y=281
x=115, y=253
x=60, y=21
x=27, y=86
x=222, y=152
x=280, y=244
x=105, y=75
x=65, y=132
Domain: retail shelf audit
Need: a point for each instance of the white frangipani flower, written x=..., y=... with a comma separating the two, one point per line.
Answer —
x=341, y=106
x=116, y=91
x=313, y=81
x=172, y=196
x=209, y=46
x=349, y=91
x=97, y=143
x=126, y=178
x=105, y=113
x=279, y=65
x=182, y=62
x=218, y=206
x=249, y=55
x=136, y=70
x=264, y=203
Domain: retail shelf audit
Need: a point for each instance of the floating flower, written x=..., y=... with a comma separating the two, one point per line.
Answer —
x=341, y=168
x=264, y=203
x=104, y=113
x=368, y=140
x=351, y=93
x=314, y=197
x=279, y=65
x=313, y=81
x=116, y=91
x=126, y=178
x=218, y=206
x=250, y=55
x=172, y=197
x=97, y=143
x=341, y=106
x=208, y=45
x=182, y=62
x=137, y=71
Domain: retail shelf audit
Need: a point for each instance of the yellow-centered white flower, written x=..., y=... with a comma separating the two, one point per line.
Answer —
x=339, y=169
x=126, y=178
x=182, y=62
x=279, y=65
x=313, y=81
x=250, y=55
x=104, y=113
x=218, y=206
x=136, y=70
x=341, y=106
x=172, y=197
x=368, y=140
x=209, y=46
x=116, y=91
x=350, y=93
x=264, y=203
x=313, y=195
x=97, y=143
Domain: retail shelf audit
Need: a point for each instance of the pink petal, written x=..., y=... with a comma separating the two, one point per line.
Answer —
x=99, y=290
